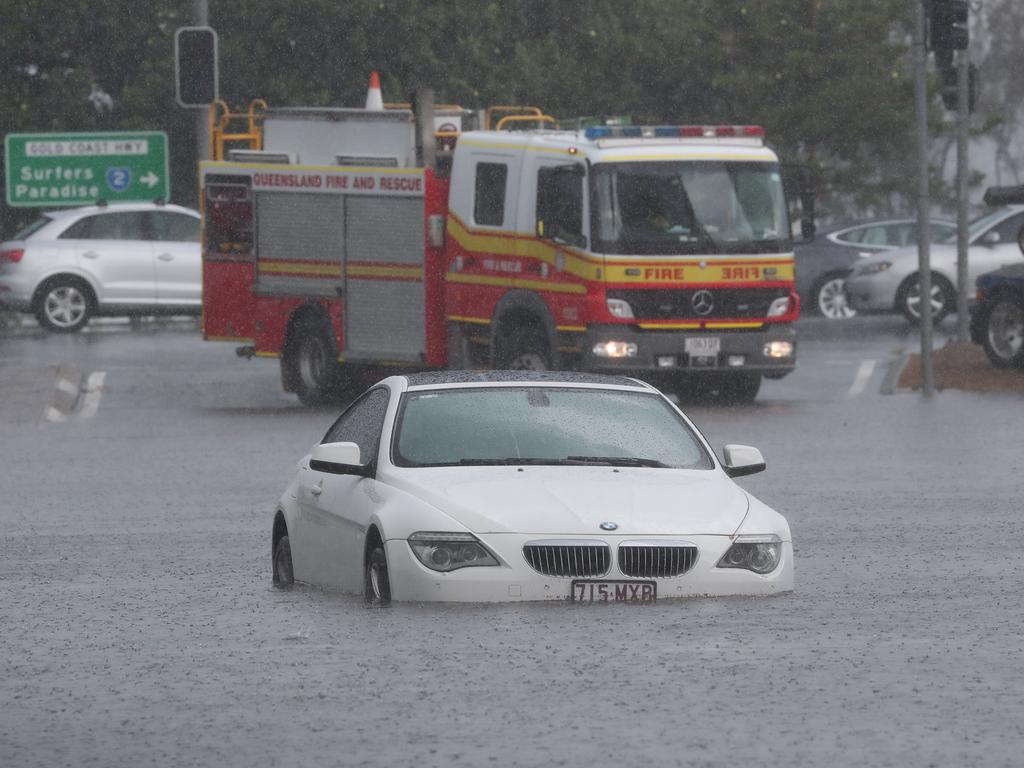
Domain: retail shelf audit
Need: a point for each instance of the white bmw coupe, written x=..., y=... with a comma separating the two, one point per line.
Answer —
x=493, y=486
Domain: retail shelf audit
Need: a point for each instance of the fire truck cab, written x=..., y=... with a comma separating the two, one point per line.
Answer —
x=356, y=239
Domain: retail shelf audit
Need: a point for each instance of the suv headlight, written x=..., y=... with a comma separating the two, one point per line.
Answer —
x=873, y=268
x=441, y=551
x=760, y=554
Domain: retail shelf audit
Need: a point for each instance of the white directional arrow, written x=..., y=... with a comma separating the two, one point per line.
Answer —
x=150, y=179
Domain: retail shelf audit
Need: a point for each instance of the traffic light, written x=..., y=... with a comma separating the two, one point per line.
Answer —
x=947, y=26
x=951, y=91
x=195, y=66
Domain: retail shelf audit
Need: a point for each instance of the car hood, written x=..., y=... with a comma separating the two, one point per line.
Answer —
x=576, y=500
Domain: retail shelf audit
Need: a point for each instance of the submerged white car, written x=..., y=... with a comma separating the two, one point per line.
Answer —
x=500, y=486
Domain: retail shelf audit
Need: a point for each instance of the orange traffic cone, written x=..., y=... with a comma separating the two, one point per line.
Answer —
x=374, y=99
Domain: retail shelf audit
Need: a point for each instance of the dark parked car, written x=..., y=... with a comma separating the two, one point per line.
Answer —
x=997, y=322
x=822, y=264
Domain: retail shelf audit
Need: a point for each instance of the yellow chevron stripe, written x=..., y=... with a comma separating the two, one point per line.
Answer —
x=365, y=271
x=464, y=319
x=733, y=325
x=281, y=267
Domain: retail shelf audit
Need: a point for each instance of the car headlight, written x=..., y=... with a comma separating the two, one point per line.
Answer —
x=441, y=551
x=873, y=268
x=760, y=554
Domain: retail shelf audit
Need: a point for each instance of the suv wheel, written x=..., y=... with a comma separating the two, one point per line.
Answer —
x=1003, y=337
x=64, y=305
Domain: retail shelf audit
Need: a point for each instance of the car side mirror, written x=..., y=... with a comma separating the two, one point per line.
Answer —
x=337, y=459
x=990, y=238
x=740, y=460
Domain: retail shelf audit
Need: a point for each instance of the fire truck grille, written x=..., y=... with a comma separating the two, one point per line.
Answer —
x=675, y=304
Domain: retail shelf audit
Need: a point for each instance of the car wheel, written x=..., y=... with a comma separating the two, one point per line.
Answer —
x=312, y=367
x=908, y=298
x=1003, y=337
x=378, y=585
x=525, y=349
x=830, y=298
x=284, y=576
x=64, y=305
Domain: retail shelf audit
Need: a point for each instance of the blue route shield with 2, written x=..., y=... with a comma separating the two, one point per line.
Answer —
x=118, y=179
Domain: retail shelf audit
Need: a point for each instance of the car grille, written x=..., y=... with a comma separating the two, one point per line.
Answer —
x=659, y=304
x=568, y=559
x=653, y=561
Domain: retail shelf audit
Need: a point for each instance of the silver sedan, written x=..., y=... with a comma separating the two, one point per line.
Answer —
x=889, y=282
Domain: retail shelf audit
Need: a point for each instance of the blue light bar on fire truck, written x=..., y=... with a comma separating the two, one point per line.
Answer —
x=674, y=131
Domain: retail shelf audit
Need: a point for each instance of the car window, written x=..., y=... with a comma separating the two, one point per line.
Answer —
x=877, y=235
x=853, y=236
x=169, y=226
x=1009, y=229
x=129, y=225
x=361, y=424
x=898, y=235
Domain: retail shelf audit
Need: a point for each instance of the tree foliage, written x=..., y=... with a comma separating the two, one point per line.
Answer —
x=829, y=79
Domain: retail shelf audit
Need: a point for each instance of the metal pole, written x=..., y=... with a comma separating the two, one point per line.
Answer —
x=201, y=18
x=923, y=240
x=962, y=126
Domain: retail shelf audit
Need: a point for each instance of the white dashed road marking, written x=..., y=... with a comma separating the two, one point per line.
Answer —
x=92, y=392
x=72, y=398
x=860, y=381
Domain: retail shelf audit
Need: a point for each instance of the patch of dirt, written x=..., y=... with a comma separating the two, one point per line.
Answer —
x=962, y=366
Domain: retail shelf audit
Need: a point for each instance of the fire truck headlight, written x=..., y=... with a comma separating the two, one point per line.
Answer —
x=615, y=349
x=778, y=349
x=779, y=307
x=620, y=309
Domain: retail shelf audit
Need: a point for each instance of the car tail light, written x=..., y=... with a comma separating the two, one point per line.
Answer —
x=13, y=256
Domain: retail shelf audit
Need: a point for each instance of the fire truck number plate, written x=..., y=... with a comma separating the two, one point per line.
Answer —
x=703, y=351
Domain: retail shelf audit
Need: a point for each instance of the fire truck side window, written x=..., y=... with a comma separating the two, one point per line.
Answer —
x=560, y=201
x=489, y=194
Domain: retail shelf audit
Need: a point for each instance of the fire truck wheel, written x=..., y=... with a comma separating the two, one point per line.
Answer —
x=525, y=349
x=313, y=369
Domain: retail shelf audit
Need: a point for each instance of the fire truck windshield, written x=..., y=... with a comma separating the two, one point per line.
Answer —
x=688, y=207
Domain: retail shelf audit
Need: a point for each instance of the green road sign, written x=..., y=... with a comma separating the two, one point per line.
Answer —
x=53, y=169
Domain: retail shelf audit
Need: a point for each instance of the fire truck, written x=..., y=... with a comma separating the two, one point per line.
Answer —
x=345, y=242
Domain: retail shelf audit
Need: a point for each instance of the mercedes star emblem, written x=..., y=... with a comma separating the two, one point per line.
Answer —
x=608, y=526
x=703, y=302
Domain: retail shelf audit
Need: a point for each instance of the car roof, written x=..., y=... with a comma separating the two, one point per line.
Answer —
x=442, y=379
x=62, y=214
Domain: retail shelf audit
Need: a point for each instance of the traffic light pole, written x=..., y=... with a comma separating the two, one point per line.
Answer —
x=962, y=127
x=923, y=204
x=201, y=18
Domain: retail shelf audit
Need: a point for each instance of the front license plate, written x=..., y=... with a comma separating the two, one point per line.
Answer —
x=703, y=346
x=614, y=591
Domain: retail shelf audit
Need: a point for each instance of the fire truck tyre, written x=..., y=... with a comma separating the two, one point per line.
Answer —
x=525, y=349
x=741, y=388
x=314, y=370
x=908, y=298
x=829, y=298
x=283, y=574
x=64, y=304
x=1003, y=337
x=378, y=585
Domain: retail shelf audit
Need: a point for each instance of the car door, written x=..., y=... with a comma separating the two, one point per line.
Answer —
x=335, y=510
x=178, y=265
x=985, y=255
x=112, y=248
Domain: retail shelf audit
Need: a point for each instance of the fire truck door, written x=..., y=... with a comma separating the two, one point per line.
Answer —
x=384, y=291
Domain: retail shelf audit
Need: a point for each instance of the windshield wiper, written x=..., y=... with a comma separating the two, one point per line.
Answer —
x=512, y=461
x=618, y=461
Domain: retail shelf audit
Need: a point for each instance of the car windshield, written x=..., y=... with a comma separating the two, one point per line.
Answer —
x=32, y=228
x=688, y=208
x=543, y=425
x=978, y=226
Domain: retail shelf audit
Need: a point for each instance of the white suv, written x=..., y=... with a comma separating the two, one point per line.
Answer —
x=118, y=259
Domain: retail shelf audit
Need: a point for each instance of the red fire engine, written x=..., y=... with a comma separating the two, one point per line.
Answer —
x=343, y=241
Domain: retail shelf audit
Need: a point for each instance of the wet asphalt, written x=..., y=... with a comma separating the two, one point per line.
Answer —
x=138, y=625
